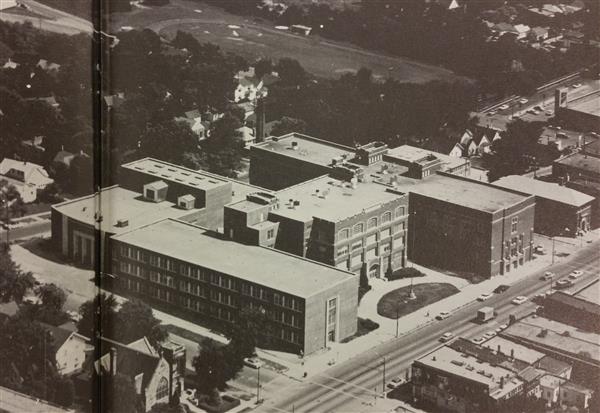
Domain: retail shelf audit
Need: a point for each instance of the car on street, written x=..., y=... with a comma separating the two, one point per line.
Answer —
x=523, y=101
x=577, y=85
x=395, y=383
x=490, y=334
x=504, y=107
x=491, y=113
x=443, y=315
x=446, y=337
x=253, y=362
x=477, y=340
x=548, y=112
x=538, y=108
x=519, y=300
x=563, y=284
x=538, y=249
x=548, y=275
x=575, y=274
x=503, y=326
x=501, y=288
x=484, y=296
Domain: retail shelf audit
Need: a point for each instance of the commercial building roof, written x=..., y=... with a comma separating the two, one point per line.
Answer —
x=560, y=336
x=332, y=200
x=468, y=367
x=553, y=366
x=508, y=347
x=264, y=266
x=586, y=104
x=116, y=204
x=468, y=193
x=546, y=190
x=414, y=154
x=307, y=148
x=591, y=293
x=581, y=161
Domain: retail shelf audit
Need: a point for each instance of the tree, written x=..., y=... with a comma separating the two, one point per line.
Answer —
x=136, y=320
x=263, y=67
x=291, y=72
x=14, y=283
x=212, y=367
x=253, y=328
x=11, y=202
x=222, y=150
x=50, y=194
x=168, y=141
x=287, y=125
x=53, y=297
x=65, y=392
x=117, y=394
x=100, y=312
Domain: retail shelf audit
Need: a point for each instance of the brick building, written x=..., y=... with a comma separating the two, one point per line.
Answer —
x=559, y=210
x=212, y=279
x=580, y=308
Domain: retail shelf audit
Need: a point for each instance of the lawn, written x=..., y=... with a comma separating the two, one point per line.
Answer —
x=396, y=303
x=254, y=39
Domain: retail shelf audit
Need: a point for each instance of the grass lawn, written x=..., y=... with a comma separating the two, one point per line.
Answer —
x=426, y=293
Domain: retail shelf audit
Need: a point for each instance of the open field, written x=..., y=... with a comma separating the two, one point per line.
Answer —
x=255, y=38
x=396, y=304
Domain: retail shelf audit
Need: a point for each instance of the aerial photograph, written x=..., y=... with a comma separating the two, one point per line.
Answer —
x=299, y=206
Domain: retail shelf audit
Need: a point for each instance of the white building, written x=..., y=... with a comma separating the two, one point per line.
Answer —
x=26, y=177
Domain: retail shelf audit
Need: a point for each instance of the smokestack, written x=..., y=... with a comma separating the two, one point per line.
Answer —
x=113, y=361
x=499, y=350
x=260, y=120
x=502, y=382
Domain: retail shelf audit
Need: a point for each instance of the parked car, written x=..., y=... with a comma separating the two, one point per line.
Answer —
x=563, y=284
x=575, y=274
x=503, y=326
x=548, y=275
x=519, y=300
x=490, y=334
x=538, y=249
x=443, y=315
x=395, y=383
x=491, y=113
x=253, y=362
x=484, y=296
x=523, y=101
x=577, y=85
x=504, y=107
x=538, y=108
x=477, y=340
x=501, y=288
x=446, y=337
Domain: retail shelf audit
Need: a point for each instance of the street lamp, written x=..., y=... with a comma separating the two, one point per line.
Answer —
x=411, y=295
x=258, y=385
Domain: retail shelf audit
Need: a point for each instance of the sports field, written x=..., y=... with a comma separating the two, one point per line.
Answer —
x=253, y=38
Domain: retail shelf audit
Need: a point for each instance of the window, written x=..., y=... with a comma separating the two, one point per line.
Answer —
x=514, y=225
x=387, y=217
x=270, y=234
x=162, y=390
x=398, y=227
x=357, y=245
x=399, y=212
x=521, y=243
x=344, y=234
x=358, y=228
x=342, y=251
x=372, y=223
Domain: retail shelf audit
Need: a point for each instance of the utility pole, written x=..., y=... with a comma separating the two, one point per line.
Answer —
x=397, y=319
x=383, y=380
x=258, y=385
x=552, y=250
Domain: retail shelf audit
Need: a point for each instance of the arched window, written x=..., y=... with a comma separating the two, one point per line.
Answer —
x=399, y=212
x=387, y=217
x=344, y=234
x=162, y=390
x=358, y=228
x=372, y=223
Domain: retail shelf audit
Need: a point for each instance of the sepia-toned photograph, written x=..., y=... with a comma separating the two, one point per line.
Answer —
x=299, y=206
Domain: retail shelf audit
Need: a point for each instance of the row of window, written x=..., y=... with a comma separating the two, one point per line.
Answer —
x=372, y=222
x=358, y=245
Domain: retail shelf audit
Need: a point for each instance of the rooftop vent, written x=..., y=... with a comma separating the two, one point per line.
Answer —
x=294, y=145
x=122, y=223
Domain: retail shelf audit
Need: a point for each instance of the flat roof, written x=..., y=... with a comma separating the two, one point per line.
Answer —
x=545, y=190
x=331, y=199
x=310, y=149
x=591, y=293
x=520, y=352
x=194, y=178
x=589, y=104
x=460, y=364
x=116, y=203
x=465, y=192
x=560, y=336
x=414, y=154
x=264, y=266
x=581, y=161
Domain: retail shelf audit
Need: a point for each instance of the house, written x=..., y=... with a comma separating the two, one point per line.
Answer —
x=114, y=101
x=522, y=30
x=250, y=87
x=156, y=374
x=249, y=110
x=300, y=29
x=503, y=28
x=457, y=151
x=47, y=66
x=538, y=34
x=63, y=157
x=26, y=177
x=246, y=135
x=9, y=64
x=70, y=347
x=447, y=4
x=36, y=143
x=193, y=119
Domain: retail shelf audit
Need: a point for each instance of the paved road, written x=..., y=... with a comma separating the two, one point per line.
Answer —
x=12, y=401
x=53, y=20
x=342, y=387
x=35, y=229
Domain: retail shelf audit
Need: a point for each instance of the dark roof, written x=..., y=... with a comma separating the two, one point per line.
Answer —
x=576, y=302
x=552, y=365
x=130, y=361
x=529, y=374
x=59, y=334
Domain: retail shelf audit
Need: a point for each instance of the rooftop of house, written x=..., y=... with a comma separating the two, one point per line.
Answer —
x=27, y=168
x=195, y=179
x=553, y=366
x=551, y=381
x=508, y=347
x=545, y=190
x=265, y=266
x=468, y=367
x=554, y=334
x=466, y=192
x=117, y=204
x=296, y=145
x=581, y=161
x=60, y=335
x=414, y=154
x=331, y=199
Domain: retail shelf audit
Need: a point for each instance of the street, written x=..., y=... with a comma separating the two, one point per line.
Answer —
x=353, y=385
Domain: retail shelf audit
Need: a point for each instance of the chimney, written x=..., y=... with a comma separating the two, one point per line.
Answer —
x=499, y=349
x=113, y=361
x=260, y=120
x=294, y=145
x=502, y=382
x=512, y=353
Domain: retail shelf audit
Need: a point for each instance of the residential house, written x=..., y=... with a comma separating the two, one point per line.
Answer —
x=457, y=151
x=250, y=87
x=47, y=66
x=156, y=374
x=10, y=64
x=35, y=144
x=572, y=394
x=246, y=136
x=538, y=34
x=27, y=177
x=193, y=119
x=522, y=30
x=504, y=28
x=63, y=157
x=70, y=347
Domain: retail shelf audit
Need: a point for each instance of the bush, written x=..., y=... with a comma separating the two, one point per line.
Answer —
x=226, y=403
x=404, y=273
